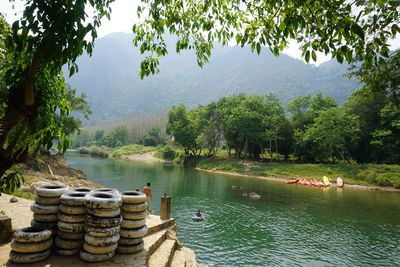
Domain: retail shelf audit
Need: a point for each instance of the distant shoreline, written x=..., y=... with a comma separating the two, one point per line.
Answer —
x=147, y=157
x=283, y=180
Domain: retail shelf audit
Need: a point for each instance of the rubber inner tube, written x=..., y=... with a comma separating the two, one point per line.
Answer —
x=73, y=199
x=31, y=235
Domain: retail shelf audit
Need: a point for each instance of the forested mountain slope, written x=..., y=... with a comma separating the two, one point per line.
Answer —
x=111, y=81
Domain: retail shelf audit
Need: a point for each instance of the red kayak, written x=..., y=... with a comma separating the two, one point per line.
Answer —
x=292, y=181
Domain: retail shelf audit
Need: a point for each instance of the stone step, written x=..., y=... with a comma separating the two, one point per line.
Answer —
x=153, y=241
x=184, y=257
x=162, y=257
x=155, y=224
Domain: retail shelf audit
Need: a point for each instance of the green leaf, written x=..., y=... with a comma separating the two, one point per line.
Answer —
x=395, y=28
x=314, y=56
x=307, y=56
x=358, y=30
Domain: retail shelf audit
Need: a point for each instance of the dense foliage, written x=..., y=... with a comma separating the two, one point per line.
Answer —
x=34, y=98
x=314, y=128
x=348, y=30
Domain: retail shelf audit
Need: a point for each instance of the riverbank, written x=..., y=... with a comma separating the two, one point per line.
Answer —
x=284, y=180
x=49, y=169
x=148, y=157
x=363, y=176
x=372, y=176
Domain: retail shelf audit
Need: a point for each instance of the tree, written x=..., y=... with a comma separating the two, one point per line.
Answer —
x=348, y=30
x=182, y=129
x=304, y=111
x=331, y=136
x=117, y=137
x=210, y=132
x=152, y=138
x=383, y=79
x=386, y=138
x=366, y=106
x=98, y=137
x=49, y=35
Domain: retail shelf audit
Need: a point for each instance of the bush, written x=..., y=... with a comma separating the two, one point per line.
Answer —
x=167, y=152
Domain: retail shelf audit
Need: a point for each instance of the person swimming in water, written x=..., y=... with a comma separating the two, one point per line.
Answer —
x=198, y=214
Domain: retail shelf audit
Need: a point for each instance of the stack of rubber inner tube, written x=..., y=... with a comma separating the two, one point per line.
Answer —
x=102, y=226
x=46, y=206
x=30, y=245
x=70, y=234
x=133, y=226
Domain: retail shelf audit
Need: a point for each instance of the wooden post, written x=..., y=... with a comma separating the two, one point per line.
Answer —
x=165, y=207
x=6, y=231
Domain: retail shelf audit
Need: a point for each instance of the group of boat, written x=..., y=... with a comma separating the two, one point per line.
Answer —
x=317, y=183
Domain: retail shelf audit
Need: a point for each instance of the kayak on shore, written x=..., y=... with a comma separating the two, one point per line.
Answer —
x=306, y=182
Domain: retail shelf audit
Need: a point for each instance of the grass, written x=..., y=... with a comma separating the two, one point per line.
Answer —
x=362, y=174
x=131, y=149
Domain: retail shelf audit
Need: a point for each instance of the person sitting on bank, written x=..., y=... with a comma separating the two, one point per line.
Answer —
x=147, y=192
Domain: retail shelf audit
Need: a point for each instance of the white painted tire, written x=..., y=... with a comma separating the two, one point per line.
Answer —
x=101, y=241
x=133, y=197
x=134, y=207
x=31, y=247
x=49, y=190
x=130, y=224
x=31, y=235
x=71, y=236
x=44, y=225
x=96, y=231
x=103, y=200
x=71, y=227
x=84, y=190
x=99, y=250
x=47, y=200
x=134, y=215
x=77, y=210
x=68, y=244
x=73, y=199
x=71, y=218
x=130, y=249
x=66, y=252
x=133, y=233
x=89, y=257
x=107, y=190
x=29, y=257
x=129, y=241
x=45, y=217
x=104, y=213
x=102, y=222
x=44, y=209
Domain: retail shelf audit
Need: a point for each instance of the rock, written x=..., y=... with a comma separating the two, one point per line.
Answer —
x=13, y=200
x=6, y=232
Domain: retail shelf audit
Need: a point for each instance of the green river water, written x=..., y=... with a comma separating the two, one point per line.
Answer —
x=289, y=226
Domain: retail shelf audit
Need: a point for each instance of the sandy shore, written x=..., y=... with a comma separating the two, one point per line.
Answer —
x=283, y=180
x=145, y=157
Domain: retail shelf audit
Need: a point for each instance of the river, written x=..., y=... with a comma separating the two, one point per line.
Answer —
x=289, y=225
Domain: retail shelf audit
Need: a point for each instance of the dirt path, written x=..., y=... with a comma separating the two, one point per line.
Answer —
x=145, y=157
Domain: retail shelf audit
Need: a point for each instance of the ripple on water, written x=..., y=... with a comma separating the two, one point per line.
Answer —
x=288, y=226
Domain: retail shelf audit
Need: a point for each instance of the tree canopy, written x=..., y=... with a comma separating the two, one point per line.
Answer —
x=348, y=30
x=33, y=92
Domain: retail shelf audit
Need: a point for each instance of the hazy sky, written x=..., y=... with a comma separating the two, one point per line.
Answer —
x=124, y=15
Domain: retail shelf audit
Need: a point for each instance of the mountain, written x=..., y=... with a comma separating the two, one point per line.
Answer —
x=110, y=78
